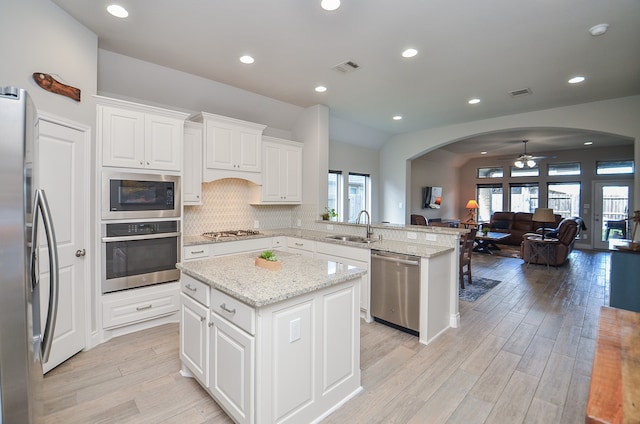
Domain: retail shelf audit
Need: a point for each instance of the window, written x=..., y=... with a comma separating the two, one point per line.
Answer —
x=564, y=199
x=523, y=197
x=525, y=172
x=556, y=169
x=335, y=188
x=614, y=167
x=358, y=195
x=490, y=172
x=490, y=200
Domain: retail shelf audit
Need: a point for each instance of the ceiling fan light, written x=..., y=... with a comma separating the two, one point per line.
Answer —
x=531, y=163
x=519, y=164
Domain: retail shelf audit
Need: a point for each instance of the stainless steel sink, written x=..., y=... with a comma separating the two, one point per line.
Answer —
x=353, y=239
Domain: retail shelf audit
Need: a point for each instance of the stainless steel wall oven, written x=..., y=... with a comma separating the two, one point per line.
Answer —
x=139, y=254
x=131, y=196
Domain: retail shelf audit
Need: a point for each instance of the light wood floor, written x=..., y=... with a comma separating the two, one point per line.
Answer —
x=522, y=354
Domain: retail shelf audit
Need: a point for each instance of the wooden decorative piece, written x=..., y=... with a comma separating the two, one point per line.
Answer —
x=48, y=83
x=270, y=265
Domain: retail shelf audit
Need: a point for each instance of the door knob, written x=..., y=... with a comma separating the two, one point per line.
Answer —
x=80, y=253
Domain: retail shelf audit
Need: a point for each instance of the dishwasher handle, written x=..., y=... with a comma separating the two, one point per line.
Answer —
x=396, y=260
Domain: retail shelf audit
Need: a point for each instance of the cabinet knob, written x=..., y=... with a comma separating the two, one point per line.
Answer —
x=141, y=163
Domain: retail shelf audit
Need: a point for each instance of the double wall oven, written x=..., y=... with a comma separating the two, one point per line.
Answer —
x=140, y=230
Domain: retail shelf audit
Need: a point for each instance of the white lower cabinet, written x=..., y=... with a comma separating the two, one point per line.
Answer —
x=194, y=338
x=300, y=246
x=137, y=305
x=350, y=256
x=232, y=369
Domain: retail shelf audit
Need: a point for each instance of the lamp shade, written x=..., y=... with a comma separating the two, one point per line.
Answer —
x=472, y=204
x=543, y=215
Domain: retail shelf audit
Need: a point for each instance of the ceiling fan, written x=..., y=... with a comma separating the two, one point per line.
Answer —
x=526, y=160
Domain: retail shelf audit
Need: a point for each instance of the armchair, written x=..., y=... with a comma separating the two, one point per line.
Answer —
x=559, y=249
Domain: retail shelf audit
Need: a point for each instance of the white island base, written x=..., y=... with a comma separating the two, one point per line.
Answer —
x=293, y=361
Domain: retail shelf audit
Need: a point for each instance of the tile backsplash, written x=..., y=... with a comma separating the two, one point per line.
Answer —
x=226, y=206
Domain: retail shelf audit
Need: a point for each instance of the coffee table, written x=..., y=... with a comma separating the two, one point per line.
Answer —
x=487, y=242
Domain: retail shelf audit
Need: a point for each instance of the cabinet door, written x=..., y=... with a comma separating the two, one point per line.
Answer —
x=192, y=168
x=219, y=146
x=291, y=174
x=122, y=137
x=194, y=338
x=232, y=369
x=248, y=155
x=271, y=177
x=163, y=143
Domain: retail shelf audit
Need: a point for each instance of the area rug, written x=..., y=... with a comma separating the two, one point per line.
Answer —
x=480, y=286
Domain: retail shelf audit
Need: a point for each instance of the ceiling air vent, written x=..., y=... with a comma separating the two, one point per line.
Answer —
x=346, y=67
x=521, y=92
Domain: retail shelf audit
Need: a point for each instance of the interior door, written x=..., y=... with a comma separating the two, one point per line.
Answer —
x=63, y=170
x=612, y=204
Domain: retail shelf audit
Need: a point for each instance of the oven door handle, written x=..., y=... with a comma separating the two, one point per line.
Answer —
x=140, y=237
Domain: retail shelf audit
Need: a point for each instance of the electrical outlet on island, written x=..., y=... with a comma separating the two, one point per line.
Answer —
x=256, y=224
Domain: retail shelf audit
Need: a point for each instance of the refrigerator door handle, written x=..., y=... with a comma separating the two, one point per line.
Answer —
x=41, y=205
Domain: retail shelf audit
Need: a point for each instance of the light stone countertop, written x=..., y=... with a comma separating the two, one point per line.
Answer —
x=415, y=249
x=237, y=276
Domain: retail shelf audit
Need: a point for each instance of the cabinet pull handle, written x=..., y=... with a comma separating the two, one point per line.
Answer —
x=142, y=308
x=202, y=319
x=210, y=324
x=193, y=289
x=224, y=308
x=193, y=252
x=299, y=244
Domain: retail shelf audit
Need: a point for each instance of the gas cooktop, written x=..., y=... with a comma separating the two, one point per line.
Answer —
x=230, y=233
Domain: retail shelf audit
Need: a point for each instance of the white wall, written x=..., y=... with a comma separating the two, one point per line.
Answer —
x=349, y=158
x=38, y=36
x=616, y=116
x=438, y=169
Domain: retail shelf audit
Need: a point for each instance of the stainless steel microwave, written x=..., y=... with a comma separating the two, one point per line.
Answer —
x=131, y=195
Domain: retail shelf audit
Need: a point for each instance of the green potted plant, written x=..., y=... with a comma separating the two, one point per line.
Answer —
x=329, y=213
x=268, y=260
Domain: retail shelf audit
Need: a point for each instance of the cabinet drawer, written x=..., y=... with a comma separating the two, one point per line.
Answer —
x=300, y=244
x=195, y=289
x=233, y=310
x=132, y=306
x=241, y=246
x=198, y=251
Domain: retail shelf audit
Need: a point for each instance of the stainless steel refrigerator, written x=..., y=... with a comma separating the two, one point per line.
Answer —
x=24, y=342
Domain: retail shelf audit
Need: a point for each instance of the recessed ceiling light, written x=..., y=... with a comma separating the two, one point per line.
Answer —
x=397, y=117
x=483, y=153
x=321, y=89
x=599, y=29
x=474, y=101
x=588, y=143
x=247, y=59
x=409, y=53
x=330, y=4
x=117, y=11
x=576, y=80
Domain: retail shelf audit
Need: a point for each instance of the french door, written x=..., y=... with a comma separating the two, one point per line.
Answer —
x=612, y=205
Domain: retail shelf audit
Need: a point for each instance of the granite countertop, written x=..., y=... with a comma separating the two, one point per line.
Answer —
x=415, y=249
x=237, y=276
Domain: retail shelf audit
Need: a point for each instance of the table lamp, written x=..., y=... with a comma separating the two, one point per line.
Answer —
x=472, y=205
x=544, y=215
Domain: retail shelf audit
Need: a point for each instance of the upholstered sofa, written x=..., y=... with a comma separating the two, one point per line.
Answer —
x=558, y=249
x=518, y=224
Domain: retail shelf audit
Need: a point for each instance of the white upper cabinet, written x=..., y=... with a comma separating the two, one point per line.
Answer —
x=139, y=136
x=232, y=148
x=282, y=171
x=192, y=169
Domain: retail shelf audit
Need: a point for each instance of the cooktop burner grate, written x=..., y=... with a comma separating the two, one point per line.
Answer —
x=230, y=233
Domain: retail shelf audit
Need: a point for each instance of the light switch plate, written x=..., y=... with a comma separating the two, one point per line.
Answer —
x=431, y=237
x=294, y=330
x=412, y=236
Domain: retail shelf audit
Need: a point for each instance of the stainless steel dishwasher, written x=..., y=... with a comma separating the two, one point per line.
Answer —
x=395, y=290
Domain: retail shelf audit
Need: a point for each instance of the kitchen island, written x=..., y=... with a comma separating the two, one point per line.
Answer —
x=272, y=346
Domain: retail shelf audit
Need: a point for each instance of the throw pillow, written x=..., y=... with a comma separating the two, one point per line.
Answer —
x=501, y=225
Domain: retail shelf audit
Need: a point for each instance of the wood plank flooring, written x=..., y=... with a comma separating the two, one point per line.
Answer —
x=523, y=354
